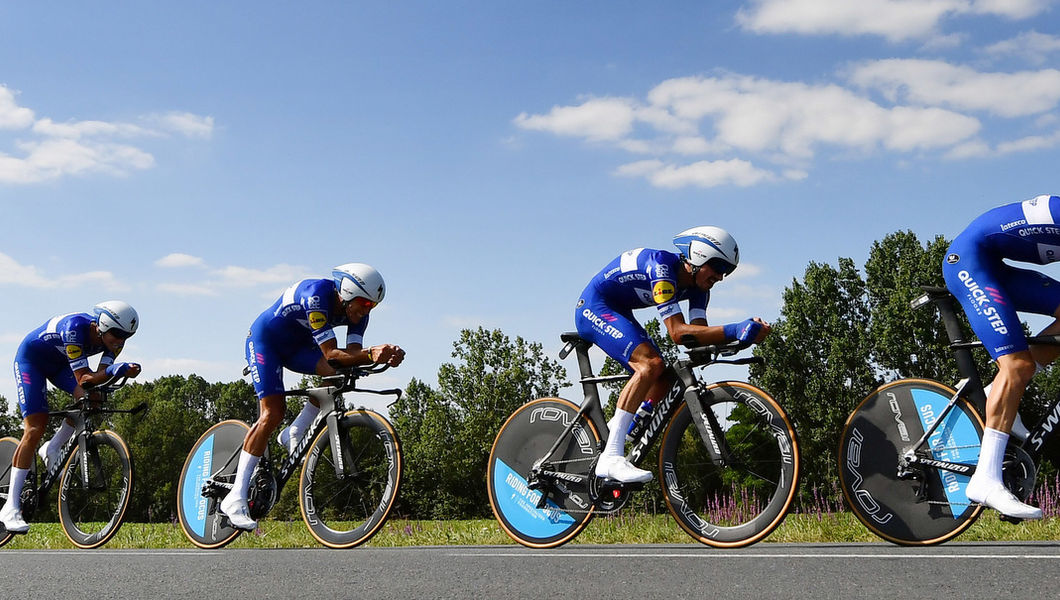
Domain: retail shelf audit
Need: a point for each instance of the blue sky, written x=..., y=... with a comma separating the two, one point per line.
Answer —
x=196, y=158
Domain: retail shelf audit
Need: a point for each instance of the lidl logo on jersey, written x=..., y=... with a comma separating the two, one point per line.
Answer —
x=73, y=351
x=662, y=291
x=317, y=320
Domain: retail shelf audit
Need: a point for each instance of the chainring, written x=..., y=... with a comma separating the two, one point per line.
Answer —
x=1019, y=472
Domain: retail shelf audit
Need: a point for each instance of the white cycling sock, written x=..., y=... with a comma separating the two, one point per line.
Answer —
x=616, y=440
x=247, y=463
x=62, y=436
x=991, y=455
x=14, y=494
x=302, y=421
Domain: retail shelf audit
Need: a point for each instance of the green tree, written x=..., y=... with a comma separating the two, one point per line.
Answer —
x=10, y=423
x=447, y=432
x=817, y=361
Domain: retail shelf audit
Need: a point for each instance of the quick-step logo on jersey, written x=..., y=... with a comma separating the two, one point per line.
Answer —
x=602, y=324
x=982, y=300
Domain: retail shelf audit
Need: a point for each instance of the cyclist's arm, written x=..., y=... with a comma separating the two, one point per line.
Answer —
x=750, y=331
x=698, y=328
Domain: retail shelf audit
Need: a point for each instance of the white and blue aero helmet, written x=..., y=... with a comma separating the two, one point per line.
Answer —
x=358, y=280
x=709, y=245
x=116, y=315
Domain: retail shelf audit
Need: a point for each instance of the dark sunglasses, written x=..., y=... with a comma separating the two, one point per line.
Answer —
x=118, y=333
x=720, y=266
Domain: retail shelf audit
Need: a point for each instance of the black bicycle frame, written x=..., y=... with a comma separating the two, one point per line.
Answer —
x=83, y=428
x=332, y=408
x=686, y=388
x=971, y=384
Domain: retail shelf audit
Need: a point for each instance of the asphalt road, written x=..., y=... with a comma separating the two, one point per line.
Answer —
x=764, y=571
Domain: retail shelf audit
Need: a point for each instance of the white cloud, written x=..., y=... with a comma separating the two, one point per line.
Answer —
x=934, y=83
x=186, y=124
x=178, y=259
x=55, y=150
x=13, y=116
x=596, y=119
x=894, y=20
x=1031, y=45
x=704, y=173
x=732, y=129
x=14, y=273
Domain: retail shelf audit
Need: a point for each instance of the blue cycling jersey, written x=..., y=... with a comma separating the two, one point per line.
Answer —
x=991, y=291
x=639, y=278
x=52, y=352
x=289, y=333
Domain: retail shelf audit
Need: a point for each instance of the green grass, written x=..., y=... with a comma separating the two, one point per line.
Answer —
x=622, y=529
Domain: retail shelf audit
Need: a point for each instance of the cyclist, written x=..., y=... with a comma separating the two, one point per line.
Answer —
x=991, y=292
x=296, y=332
x=642, y=278
x=58, y=352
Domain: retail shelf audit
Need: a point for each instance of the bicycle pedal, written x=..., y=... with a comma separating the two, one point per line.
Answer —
x=1008, y=519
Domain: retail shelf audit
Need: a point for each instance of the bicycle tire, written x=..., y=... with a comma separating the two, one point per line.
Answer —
x=891, y=418
x=346, y=511
x=742, y=502
x=523, y=440
x=91, y=514
x=8, y=445
x=215, y=454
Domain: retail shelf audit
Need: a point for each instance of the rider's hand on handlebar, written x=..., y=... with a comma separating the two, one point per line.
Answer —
x=123, y=369
x=387, y=354
x=749, y=331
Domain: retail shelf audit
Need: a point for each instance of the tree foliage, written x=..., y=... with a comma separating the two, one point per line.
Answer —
x=447, y=432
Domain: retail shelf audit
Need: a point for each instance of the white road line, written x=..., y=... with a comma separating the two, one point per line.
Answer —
x=713, y=556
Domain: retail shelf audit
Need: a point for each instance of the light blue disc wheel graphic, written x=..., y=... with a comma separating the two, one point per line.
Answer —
x=924, y=504
x=213, y=458
x=554, y=513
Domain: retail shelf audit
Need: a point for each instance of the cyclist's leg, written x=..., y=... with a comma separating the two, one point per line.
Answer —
x=62, y=378
x=307, y=360
x=33, y=403
x=978, y=283
x=624, y=340
x=267, y=374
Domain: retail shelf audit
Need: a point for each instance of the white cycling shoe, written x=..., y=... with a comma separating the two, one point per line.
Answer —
x=46, y=456
x=13, y=521
x=619, y=469
x=998, y=497
x=238, y=513
x=286, y=440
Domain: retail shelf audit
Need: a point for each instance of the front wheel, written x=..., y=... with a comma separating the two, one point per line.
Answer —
x=94, y=490
x=740, y=502
x=213, y=459
x=346, y=496
x=8, y=445
x=922, y=505
x=520, y=451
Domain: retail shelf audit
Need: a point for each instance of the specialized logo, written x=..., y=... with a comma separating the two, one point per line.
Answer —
x=581, y=303
x=317, y=320
x=662, y=292
x=953, y=259
x=73, y=351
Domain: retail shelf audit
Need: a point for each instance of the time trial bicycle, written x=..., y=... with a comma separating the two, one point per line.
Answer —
x=351, y=471
x=908, y=450
x=728, y=462
x=94, y=471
